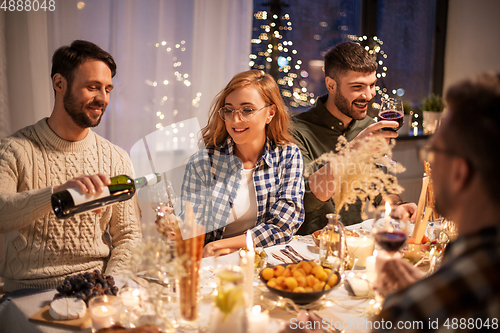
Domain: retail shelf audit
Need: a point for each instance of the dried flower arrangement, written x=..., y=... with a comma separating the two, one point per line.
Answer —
x=156, y=256
x=363, y=168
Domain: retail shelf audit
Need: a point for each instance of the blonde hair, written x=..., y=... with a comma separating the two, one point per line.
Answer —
x=277, y=130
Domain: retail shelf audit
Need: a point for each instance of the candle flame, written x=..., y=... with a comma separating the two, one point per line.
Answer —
x=387, y=208
x=104, y=309
x=250, y=246
x=256, y=309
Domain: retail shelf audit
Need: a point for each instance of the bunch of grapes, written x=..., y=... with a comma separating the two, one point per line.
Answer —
x=87, y=285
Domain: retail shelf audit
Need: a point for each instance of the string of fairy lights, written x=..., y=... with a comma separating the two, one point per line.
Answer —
x=268, y=45
x=178, y=76
x=175, y=75
x=292, y=80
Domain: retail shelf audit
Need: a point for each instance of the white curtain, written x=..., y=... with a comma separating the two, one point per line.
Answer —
x=172, y=56
x=4, y=101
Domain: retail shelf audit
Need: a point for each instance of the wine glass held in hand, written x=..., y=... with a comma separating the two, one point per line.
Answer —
x=391, y=109
x=162, y=199
x=390, y=230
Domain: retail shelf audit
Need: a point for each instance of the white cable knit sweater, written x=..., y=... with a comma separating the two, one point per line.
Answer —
x=41, y=250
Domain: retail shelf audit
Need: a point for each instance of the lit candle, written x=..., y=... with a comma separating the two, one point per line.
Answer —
x=249, y=270
x=371, y=274
x=103, y=316
x=361, y=247
x=130, y=297
x=105, y=311
x=258, y=320
x=387, y=214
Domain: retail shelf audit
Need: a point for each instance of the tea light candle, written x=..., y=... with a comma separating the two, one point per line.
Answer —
x=105, y=311
x=361, y=247
x=371, y=274
x=103, y=316
x=258, y=320
x=130, y=297
x=249, y=270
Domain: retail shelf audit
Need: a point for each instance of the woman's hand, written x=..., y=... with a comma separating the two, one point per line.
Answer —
x=216, y=247
x=209, y=249
x=230, y=244
x=165, y=222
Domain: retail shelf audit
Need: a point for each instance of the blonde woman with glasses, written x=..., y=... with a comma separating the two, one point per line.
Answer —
x=249, y=175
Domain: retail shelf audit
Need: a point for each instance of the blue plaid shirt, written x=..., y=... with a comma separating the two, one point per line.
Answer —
x=212, y=179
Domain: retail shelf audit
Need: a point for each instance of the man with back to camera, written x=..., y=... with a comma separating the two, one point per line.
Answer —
x=350, y=77
x=464, y=161
x=58, y=153
x=464, y=293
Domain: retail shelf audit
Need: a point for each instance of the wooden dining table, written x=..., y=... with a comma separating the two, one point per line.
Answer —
x=340, y=307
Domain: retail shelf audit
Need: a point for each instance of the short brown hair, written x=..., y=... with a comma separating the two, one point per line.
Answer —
x=473, y=126
x=348, y=56
x=277, y=130
x=66, y=59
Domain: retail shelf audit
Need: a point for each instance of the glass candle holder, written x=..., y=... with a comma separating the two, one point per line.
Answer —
x=228, y=314
x=133, y=305
x=361, y=247
x=105, y=311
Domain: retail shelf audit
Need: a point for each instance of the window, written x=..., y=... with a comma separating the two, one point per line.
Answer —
x=299, y=32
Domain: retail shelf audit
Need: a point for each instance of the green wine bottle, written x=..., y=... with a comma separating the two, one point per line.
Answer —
x=70, y=202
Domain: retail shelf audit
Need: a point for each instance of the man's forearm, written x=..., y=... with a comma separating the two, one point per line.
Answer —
x=322, y=183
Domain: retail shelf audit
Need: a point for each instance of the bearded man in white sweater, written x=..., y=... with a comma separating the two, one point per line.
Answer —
x=55, y=154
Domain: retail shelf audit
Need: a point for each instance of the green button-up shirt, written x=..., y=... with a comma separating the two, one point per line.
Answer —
x=316, y=132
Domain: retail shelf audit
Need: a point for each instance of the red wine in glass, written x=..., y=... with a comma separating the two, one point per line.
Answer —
x=391, y=109
x=392, y=116
x=390, y=241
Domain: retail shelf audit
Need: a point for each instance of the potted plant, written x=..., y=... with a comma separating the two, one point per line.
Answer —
x=432, y=111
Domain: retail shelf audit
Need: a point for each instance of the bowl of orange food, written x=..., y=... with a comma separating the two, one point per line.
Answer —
x=303, y=283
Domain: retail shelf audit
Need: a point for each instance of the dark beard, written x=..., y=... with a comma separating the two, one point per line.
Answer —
x=77, y=112
x=343, y=105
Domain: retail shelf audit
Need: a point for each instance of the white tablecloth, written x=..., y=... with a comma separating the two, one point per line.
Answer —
x=14, y=315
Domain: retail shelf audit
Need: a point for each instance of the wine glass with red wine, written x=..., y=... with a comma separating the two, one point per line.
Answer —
x=391, y=109
x=390, y=229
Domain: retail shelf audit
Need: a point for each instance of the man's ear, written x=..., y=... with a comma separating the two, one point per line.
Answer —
x=462, y=174
x=59, y=82
x=331, y=85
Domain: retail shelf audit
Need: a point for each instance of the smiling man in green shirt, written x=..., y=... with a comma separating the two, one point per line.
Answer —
x=350, y=79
